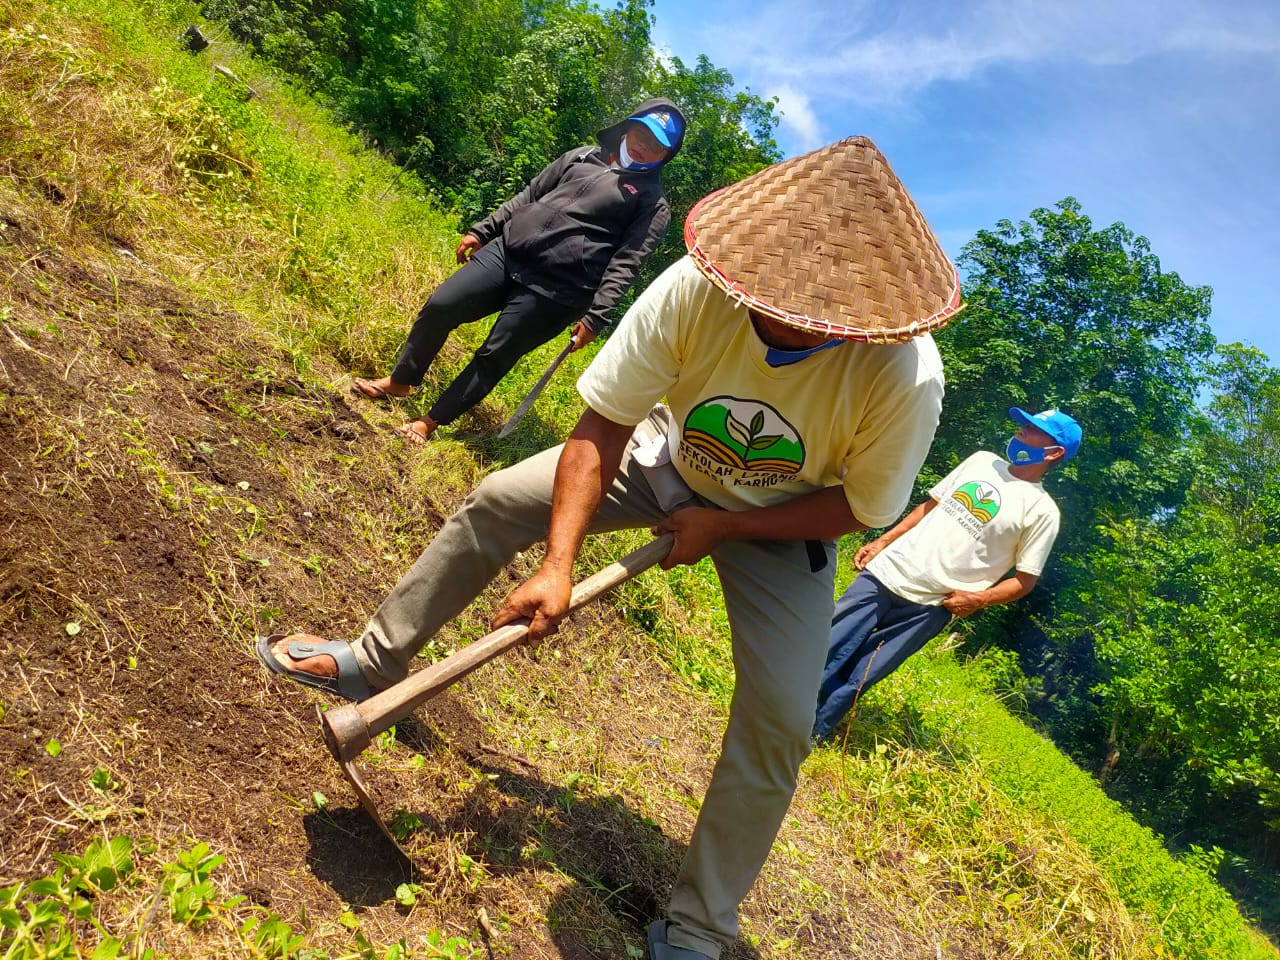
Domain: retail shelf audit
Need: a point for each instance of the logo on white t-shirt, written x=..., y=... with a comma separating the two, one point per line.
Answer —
x=743, y=442
x=981, y=499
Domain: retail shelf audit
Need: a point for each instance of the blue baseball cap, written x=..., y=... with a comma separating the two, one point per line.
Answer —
x=1056, y=424
x=664, y=125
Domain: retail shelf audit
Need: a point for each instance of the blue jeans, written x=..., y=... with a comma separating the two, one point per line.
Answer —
x=872, y=632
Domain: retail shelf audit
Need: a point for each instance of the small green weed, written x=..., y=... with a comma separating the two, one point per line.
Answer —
x=60, y=917
x=472, y=871
x=453, y=948
x=407, y=894
x=43, y=919
x=403, y=824
x=192, y=897
x=271, y=936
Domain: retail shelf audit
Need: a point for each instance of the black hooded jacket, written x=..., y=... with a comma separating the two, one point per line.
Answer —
x=581, y=229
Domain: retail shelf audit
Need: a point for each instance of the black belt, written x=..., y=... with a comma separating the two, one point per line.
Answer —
x=817, y=555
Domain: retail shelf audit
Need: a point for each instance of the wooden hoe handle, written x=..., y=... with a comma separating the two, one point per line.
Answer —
x=348, y=730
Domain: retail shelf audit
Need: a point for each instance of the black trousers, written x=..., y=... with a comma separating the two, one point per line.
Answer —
x=526, y=320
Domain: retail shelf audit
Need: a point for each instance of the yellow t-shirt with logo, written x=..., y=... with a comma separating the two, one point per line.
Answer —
x=745, y=434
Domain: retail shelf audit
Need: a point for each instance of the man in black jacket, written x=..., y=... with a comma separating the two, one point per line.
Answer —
x=566, y=248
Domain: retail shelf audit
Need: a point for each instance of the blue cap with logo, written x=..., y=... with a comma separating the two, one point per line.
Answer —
x=1064, y=430
x=664, y=125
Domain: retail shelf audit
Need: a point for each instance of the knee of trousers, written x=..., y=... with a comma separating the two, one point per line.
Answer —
x=778, y=706
x=780, y=730
x=435, y=313
x=496, y=356
x=502, y=505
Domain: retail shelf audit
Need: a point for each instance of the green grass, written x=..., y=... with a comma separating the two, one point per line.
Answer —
x=938, y=704
x=86, y=908
x=327, y=257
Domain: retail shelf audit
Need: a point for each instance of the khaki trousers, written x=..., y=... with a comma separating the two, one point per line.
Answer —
x=779, y=615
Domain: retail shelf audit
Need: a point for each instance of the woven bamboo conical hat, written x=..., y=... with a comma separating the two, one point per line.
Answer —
x=830, y=242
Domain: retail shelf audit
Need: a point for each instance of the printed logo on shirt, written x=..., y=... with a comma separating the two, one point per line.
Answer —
x=741, y=442
x=630, y=188
x=973, y=505
x=980, y=499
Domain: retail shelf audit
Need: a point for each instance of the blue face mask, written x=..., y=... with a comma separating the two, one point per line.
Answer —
x=1023, y=454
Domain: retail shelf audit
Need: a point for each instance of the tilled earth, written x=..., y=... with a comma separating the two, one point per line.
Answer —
x=169, y=488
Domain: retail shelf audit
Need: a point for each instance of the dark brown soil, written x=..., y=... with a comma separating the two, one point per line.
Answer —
x=165, y=479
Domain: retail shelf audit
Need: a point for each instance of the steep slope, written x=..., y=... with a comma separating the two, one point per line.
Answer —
x=190, y=274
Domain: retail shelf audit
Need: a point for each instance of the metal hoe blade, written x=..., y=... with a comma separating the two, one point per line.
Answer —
x=527, y=402
x=352, y=773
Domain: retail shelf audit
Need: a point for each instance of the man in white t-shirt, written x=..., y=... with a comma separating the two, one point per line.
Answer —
x=802, y=392
x=946, y=558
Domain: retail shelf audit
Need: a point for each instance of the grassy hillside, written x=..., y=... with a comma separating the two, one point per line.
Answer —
x=195, y=263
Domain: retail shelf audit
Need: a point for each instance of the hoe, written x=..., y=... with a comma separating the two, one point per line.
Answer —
x=348, y=730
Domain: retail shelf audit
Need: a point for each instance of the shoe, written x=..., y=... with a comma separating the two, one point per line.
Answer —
x=349, y=684
x=659, y=949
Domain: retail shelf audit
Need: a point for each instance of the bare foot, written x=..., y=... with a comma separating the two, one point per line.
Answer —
x=321, y=666
x=418, y=431
x=380, y=389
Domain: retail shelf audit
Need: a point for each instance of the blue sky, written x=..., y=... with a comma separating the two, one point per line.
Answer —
x=1165, y=116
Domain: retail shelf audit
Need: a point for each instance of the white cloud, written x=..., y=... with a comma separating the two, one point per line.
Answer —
x=1160, y=114
x=798, y=117
x=883, y=54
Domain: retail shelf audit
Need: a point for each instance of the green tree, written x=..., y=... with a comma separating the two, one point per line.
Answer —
x=478, y=95
x=1187, y=646
x=1062, y=315
x=1186, y=633
x=1239, y=438
x=1065, y=315
x=577, y=71
x=1181, y=611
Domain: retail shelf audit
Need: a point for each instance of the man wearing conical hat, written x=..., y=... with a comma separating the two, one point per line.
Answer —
x=802, y=392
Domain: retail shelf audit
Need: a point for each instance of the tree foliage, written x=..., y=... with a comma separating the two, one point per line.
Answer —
x=478, y=95
x=1186, y=637
x=1187, y=647
x=1062, y=315
x=1238, y=440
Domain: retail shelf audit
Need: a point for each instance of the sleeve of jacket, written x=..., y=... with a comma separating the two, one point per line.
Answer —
x=546, y=180
x=640, y=241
